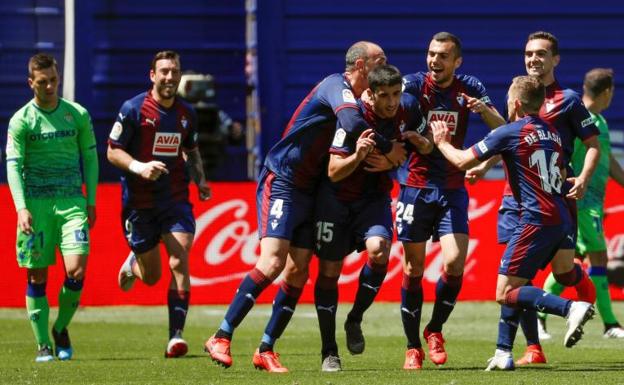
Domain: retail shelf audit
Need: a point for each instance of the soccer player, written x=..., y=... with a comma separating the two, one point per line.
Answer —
x=533, y=155
x=598, y=90
x=285, y=201
x=46, y=140
x=433, y=200
x=353, y=207
x=152, y=133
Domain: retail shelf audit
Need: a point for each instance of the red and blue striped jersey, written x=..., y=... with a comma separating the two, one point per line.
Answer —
x=564, y=110
x=361, y=183
x=148, y=131
x=301, y=155
x=533, y=156
x=433, y=170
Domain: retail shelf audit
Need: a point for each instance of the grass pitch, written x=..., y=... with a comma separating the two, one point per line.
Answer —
x=125, y=345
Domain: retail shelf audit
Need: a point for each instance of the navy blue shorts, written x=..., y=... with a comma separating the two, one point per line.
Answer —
x=143, y=227
x=532, y=247
x=284, y=211
x=423, y=213
x=342, y=227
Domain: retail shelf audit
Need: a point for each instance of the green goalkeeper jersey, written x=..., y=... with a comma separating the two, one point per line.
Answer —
x=595, y=195
x=44, y=150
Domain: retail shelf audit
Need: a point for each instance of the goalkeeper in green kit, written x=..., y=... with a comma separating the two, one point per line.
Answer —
x=46, y=140
x=598, y=90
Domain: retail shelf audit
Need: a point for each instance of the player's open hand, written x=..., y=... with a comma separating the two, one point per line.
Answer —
x=475, y=105
x=440, y=131
x=422, y=144
x=397, y=155
x=24, y=221
x=153, y=170
x=579, y=186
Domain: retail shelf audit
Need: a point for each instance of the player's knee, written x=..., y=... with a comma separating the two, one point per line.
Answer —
x=454, y=267
x=296, y=275
x=76, y=273
x=413, y=270
x=178, y=263
x=378, y=250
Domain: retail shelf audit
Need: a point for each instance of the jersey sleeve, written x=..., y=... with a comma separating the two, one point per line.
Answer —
x=190, y=142
x=494, y=143
x=15, y=151
x=88, y=152
x=125, y=124
x=476, y=89
x=342, y=101
x=582, y=123
x=412, y=84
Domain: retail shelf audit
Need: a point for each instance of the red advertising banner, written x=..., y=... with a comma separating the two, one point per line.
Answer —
x=226, y=248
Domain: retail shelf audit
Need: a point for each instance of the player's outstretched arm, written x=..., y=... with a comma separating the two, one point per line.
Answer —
x=196, y=169
x=615, y=170
x=477, y=173
x=490, y=116
x=423, y=144
x=462, y=159
x=121, y=159
x=589, y=165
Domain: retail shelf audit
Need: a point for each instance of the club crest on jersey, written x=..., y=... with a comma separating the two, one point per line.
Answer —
x=116, y=131
x=339, y=137
x=184, y=122
x=347, y=96
x=450, y=117
x=68, y=118
x=460, y=100
x=167, y=143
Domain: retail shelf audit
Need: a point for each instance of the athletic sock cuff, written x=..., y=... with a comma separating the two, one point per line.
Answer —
x=35, y=290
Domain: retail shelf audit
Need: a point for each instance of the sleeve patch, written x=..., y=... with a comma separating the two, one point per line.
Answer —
x=339, y=138
x=116, y=131
x=9, y=146
x=482, y=147
x=347, y=96
x=588, y=121
x=486, y=100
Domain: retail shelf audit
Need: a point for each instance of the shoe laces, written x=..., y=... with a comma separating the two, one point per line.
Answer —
x=435, y=342
x=271, y=359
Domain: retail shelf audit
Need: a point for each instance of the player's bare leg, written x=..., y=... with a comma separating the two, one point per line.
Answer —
x=273, y=255
x=178, y=247
x=371, y=278
x=454, y=249
x=411, y=301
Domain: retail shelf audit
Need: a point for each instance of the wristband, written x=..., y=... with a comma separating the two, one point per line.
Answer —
x=137, y=167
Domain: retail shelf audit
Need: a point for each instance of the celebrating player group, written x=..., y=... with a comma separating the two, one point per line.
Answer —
x=324, y=190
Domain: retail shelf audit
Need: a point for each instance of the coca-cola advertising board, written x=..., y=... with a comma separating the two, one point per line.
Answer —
x=226, y=247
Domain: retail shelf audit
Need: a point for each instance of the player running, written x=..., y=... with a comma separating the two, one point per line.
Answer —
x=150, y=135
x=433, y=202
x=533, y=155
x=598, y=90
x=353, y=207
x=285, y=201
x=46, y=140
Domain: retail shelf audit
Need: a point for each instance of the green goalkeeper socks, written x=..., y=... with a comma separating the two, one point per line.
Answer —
x=69, y=298
x=38, y=312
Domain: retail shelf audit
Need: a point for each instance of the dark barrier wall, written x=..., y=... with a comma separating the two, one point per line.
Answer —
x=300, y=42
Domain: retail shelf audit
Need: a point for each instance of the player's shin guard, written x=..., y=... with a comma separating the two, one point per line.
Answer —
x=177, y=304
x=69, y=298
x=284, y=306
x=447, y=290
x=551, y=286
x=529, y=297
x=250, y=288
x=598, y=275
x=326, y=303
x=507, y=327
x=528, y=322
x=38, y=312
x=371, y=278
x=411, y=309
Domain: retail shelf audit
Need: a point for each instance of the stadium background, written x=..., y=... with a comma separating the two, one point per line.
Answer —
x=297, y=43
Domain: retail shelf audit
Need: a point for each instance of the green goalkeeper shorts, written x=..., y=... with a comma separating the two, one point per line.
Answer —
x=590, y=232
x=55, y=221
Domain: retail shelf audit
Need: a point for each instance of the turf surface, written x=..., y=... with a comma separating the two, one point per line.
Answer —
x=125, y=345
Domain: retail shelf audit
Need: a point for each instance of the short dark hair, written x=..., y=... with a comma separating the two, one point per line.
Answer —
x=165, y=55
x=39, y=62
x=447, y=36
x=357, y=51
x=530, y=91
x=384, y=75
x=597, y=81
x=554, y=43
